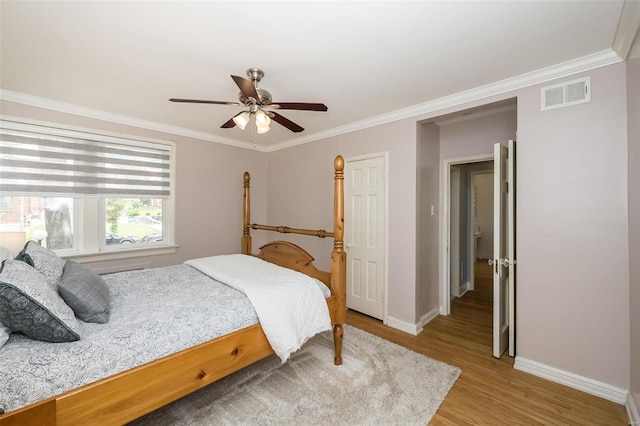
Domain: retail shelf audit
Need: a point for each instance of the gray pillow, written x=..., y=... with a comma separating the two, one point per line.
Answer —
x=5, y=254
x=44, y=260
x=4, y=334
x=29, y=305
x=85, y=292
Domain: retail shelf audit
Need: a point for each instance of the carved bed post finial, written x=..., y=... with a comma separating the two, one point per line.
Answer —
x=246, y=216
x=339, y=259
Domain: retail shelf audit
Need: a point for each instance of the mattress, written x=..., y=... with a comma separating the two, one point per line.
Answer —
x=154, y=313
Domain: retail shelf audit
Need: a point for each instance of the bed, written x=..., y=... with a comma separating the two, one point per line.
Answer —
x=126, y=395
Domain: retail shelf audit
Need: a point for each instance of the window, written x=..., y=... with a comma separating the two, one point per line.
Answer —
x=133, y=221
x=91, y=193
x=5, y=204
x=30, y=214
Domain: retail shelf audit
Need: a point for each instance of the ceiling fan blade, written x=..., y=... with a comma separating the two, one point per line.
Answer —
x=229, y=124
x=246, y=87
x=285, y=122
x=196, y=101
x=299, y=106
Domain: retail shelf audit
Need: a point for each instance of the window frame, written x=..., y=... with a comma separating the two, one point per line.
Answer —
x=90, y=215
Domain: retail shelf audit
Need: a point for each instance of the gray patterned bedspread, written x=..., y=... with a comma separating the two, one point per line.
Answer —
x=154, y=313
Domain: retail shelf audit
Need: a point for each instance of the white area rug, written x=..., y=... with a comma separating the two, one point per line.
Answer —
x=379, y=383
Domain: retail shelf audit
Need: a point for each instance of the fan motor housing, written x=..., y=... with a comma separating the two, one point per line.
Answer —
x=264, y=98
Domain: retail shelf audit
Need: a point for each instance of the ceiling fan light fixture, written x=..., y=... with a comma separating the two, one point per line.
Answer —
x=262, y=119
x=242, y=119
x=262, y=130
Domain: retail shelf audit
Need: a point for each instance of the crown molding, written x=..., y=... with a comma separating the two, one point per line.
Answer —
x=564, y=69
x=22, y=98
x=628, y=28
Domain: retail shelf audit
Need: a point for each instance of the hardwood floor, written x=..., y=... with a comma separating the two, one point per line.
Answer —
x=490, y=391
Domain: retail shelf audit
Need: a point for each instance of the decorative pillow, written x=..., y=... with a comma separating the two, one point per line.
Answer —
x=29, y=305
x=5, y=254
x=4, y=334
x=85, y=292
x=44, y=260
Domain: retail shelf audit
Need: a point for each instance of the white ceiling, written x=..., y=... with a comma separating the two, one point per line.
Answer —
x=362, y=59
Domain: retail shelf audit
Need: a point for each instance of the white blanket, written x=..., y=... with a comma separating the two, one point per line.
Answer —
x=289, y=304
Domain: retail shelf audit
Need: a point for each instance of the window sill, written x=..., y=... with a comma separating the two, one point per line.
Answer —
x=122, y=254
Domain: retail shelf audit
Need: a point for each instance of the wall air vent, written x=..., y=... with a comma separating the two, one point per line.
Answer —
x=565, y=94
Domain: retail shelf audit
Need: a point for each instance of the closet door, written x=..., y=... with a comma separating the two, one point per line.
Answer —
x=365, y=207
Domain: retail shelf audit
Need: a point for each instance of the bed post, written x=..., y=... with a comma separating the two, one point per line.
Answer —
x=339, y=259
x=246, y=217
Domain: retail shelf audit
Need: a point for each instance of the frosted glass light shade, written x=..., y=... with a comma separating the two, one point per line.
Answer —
x=242, y=120
x=262, y=122
x=262, y=119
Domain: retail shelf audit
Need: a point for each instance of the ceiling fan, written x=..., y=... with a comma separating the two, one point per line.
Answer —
x=260, y=105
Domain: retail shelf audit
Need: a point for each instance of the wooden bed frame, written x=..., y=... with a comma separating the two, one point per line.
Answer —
x=131, y=394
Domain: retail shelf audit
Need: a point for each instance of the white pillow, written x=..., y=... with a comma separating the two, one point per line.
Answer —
x=4, y=334
x=5, y=254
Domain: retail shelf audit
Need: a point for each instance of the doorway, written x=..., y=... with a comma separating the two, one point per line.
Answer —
x=454, y=139
x=487, y=211
x=471, y=222
x=464, y=223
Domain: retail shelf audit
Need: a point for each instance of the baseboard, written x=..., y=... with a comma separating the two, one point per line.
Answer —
x=464, y=288
x=426, y=318
x=584, y=384
x=632, y=411
x=410, y=328
x=407, y=327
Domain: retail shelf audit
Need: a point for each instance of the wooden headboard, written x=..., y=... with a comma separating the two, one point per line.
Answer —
x=294, y=257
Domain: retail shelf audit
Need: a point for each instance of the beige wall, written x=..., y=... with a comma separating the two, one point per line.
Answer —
x=477, y=136
x=572, y=231
x=428, y=242
x=300, y=195
x=633, y=105
x=208, y=187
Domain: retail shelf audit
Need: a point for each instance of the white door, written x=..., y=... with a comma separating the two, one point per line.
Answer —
x=364, y=235
x=511, y=243
x=503, y=249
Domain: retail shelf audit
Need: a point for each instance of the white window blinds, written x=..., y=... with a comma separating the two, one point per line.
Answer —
x=82, y=164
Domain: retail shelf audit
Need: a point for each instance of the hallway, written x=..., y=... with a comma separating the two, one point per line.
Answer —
x=471, y=314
